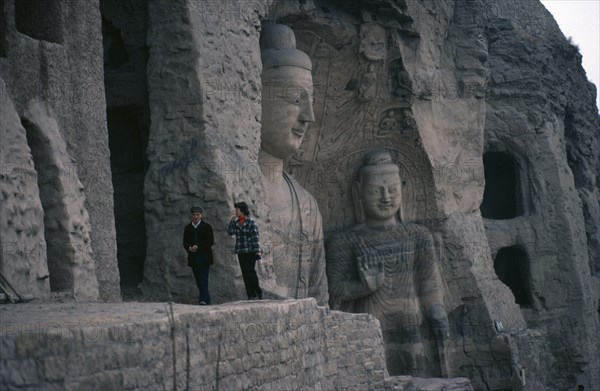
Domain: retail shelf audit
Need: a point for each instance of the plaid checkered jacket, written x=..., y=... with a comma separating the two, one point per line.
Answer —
x=247, y=239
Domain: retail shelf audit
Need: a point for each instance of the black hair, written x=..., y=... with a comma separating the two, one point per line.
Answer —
x=243, y=207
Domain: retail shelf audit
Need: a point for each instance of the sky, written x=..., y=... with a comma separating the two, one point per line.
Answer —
x=580, y=19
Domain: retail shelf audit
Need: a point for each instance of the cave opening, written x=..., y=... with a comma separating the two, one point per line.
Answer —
x=40, y=19
x=128, y=123
x=128, y=165
x=501, y=197
x=511, y=265
x=58, y=252
x=115, y=52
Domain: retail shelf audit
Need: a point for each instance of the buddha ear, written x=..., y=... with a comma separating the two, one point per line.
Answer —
x=401, y=208
x=358, y=207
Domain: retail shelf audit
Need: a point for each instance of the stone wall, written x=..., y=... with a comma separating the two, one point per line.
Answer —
x=262, y=345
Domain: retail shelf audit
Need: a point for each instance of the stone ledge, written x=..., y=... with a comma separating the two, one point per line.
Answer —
x=291, y=344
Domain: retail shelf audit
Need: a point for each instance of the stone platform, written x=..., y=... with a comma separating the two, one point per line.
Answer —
x=269, y=345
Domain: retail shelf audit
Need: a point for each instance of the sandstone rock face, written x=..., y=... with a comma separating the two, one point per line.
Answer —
x=426, y=66
x=204, y=80
x=50, y=64
x=483, y=105
x=21, y=213
x=470, y=92
x=540, y=113
x=66, y=221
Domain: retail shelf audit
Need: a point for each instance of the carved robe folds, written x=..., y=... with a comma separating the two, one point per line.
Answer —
x=411, y=286
x=297, y=247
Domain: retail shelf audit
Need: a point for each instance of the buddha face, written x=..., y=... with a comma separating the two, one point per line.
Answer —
x=381, y=194
x=286, y=109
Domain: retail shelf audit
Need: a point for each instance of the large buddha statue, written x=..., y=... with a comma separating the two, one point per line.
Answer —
x=296, y=234
x=387, y=268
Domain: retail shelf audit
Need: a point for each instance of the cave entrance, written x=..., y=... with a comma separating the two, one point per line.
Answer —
x=502, y=198
x=512, y=268
x=128, y=121
x=127, y=160
x=58, y=251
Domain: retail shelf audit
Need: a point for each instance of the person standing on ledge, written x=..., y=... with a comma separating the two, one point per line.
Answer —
x=198, y=240
x=247, y=248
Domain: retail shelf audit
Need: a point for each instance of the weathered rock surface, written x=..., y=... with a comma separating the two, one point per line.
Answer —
x=52, y=55
x=204, y=80
x=482, y=77
x=461, y=92
x=436, y=141
x=541, y=113
x=21, y=214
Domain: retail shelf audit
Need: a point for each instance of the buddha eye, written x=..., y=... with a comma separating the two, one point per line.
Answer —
x=294, y=99
x=294, y=94
x=392, y=189
x=291, y=98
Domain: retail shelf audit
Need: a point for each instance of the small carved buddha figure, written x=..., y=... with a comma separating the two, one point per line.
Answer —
x=387, y=268
x=296, y=233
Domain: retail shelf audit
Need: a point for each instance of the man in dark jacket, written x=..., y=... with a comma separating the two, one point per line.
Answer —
x=198, y=240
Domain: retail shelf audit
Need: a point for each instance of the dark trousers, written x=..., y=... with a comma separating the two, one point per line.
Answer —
x=247, y=264
x=200, y=270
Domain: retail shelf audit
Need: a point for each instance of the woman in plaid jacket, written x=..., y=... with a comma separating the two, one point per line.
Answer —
x=247, y=248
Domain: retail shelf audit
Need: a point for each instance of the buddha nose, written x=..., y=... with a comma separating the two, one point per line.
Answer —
x=306, y=111
x=385, y=195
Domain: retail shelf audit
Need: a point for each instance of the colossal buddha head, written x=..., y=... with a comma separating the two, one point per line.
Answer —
x=286, y=91
x=377, y=191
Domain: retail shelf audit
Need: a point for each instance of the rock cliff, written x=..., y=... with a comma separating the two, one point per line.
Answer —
x=483, y=105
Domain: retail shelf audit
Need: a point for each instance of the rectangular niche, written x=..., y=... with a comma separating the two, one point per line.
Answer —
x=3, y=43
x=511, y=265
x=502, y=195
x=40, y=19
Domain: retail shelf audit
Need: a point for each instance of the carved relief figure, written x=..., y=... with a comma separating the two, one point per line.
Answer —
x=387, y=268
x=408, y=121
x=397, y=120
x=389, y=123
x=400, y=82
x=296, y=229
x=367, y=88
x=372, y=42
x=322, y=49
